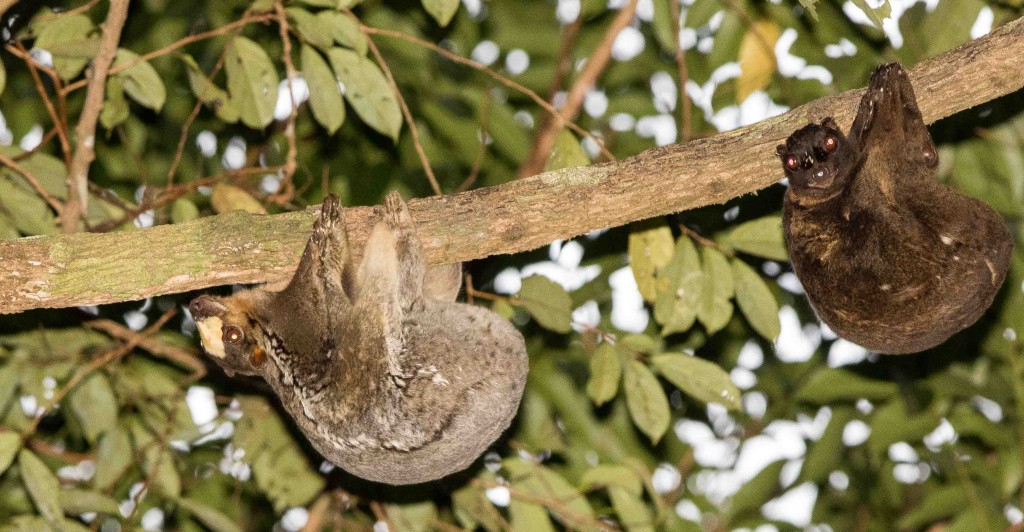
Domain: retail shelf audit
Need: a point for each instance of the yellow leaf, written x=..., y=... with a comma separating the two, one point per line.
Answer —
x=757, y=58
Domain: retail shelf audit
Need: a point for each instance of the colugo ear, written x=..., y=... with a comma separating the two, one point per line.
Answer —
x=780, y=150
x=828, y=121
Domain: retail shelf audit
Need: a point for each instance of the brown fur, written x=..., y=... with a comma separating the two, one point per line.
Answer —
x=890, y=258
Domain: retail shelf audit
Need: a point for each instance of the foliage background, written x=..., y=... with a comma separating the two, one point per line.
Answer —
x=106, y=412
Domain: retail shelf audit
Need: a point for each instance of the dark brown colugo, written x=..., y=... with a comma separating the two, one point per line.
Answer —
x=386, y=375
x=890, y=258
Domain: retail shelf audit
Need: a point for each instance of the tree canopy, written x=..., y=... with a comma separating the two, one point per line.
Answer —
x=679, y=380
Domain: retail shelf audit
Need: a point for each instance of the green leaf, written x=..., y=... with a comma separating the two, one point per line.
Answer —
x=227, y=198
x=892, y=422
x=547, y=302
x=875, y=13
x=413, y=516
x=809, y=6
x=570, y=507
x=650, y=250
x=315, y=30
x=157, y=460
x=252, y=82
x=715, y=310
x=95, y=406
x=367, y=91
x=680, y=286
x=29, y=213
x=71, y=41
x=566, y=153
x=537, y=427
x=758, y=491
x=113, y=457
x=115, y=107
x=605, y=373
x=607, y=475
x=826, y=454
x=638, y=343
x=42, y=486
x=141, y=81
x=698, y=378
x=324, y=94
x=756, y=300
x=279, y=466
x=77, y=501
x=212, y=518
x=633, y=513
x=183, y=210
x=3, y=77
x=209, y=93
x=345, y=31
x=941, y=503
x=529, y=517
x=441, y=10
x=828, y=385
x=761, y=237
x=471, y=508
x=10, y=443
x=646, y=401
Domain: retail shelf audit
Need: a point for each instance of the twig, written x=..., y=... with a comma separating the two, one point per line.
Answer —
x=184, y=356
x=287, y=188
x=192, y=118
x=598, y=61
x=32, y=180
x=70, y=270
x=494, y=75
x=249, y=18
x=106, y=358
x=706, y=242
x=405, y=112
x=85, y=133
x=60, y=125
x=685, y=107
x=78, y=10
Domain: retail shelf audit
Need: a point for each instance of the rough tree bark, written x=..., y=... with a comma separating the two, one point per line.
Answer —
x=88, y=269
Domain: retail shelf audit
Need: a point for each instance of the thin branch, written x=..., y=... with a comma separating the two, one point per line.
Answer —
x=405, y=112
x=109, y=356
x=543, y=104
x=685, y=125
x=32, y=180
x=89, y=269
x=85, y=133
x=287, y=189
x=18, y=50
x=596, y=63
x=249, y=18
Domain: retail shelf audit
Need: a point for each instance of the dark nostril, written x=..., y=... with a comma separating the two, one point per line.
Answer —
x=820, y=154
x=204, y=307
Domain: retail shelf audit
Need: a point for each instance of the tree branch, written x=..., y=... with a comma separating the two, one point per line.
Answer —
x=86, y=269
x=78, y=172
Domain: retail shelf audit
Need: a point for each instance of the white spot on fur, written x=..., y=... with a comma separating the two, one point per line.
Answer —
x=210, y=332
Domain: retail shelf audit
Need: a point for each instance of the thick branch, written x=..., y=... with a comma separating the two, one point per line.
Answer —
x=82, y=269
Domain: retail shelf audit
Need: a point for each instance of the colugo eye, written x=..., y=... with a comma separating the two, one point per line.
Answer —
x=792, y=163
x=233, y=335
x=830, y=143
